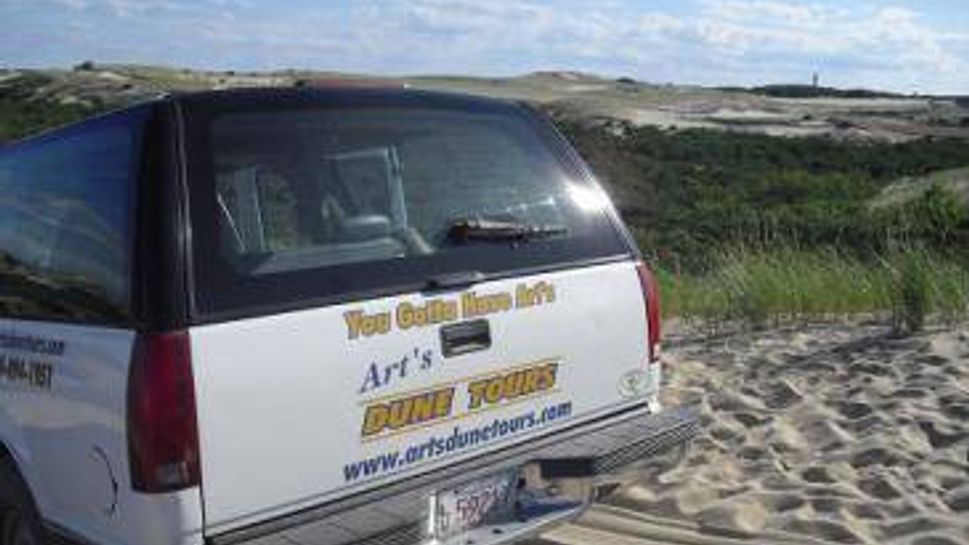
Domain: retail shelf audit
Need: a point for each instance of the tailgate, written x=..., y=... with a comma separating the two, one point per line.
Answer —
x=301, y=408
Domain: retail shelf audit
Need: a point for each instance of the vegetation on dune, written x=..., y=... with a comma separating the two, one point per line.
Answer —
x=761, y=229
x=795, y=90
x=689, y=193
x=742, y=227
x=24, y=119
x=777, y=284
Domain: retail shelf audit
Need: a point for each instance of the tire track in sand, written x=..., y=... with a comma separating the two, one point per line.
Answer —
x=607, y=525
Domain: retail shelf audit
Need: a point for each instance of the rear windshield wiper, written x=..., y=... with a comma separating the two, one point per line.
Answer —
x=467, y=229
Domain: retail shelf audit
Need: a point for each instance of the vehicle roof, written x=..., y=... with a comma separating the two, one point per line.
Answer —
x=295, y=96
x=346, y=95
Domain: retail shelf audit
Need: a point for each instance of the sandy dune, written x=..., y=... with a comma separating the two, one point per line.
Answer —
x=820, y=434
x=583, y=96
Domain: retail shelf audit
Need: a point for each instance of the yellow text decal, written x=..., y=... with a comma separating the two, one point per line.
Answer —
x=470, y=304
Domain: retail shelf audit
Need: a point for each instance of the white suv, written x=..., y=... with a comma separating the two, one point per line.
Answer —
x=316, y=316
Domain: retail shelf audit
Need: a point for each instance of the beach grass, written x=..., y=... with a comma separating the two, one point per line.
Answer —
x=761, y=287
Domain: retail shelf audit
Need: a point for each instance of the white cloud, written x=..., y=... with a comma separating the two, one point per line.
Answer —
x=773, y=12
x=708, y=41
x=130, y=8
x=761, y=35
x=72, y=4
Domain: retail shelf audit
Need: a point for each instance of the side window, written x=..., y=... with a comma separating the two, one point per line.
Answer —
x=65, y=225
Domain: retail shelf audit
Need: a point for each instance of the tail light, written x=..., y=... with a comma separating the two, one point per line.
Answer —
x=651, y=296
x=162, y=433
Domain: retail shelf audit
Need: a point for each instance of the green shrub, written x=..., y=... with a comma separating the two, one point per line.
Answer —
x=690, y=193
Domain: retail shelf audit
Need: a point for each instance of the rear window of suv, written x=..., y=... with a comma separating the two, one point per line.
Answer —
x=342, y=196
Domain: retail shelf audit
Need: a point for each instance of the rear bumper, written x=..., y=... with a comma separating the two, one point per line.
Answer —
x=396, y=514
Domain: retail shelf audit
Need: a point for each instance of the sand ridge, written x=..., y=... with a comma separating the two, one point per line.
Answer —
x=587, y=97
x=815, y=434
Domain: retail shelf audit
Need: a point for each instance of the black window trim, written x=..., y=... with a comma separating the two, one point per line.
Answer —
x=390, y=290
x=571, y=157
x=560, y=147
x=161, y=258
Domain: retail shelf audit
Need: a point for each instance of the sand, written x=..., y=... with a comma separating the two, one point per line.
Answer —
x=819, y=434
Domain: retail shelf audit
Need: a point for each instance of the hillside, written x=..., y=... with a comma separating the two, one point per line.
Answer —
x=849, y=116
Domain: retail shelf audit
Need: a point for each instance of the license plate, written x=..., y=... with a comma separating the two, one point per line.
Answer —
x=483, y=501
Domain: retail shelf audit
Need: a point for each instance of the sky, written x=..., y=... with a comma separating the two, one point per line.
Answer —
x=909, y=46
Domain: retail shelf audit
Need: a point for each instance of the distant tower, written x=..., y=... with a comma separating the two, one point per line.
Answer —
x=814, y=80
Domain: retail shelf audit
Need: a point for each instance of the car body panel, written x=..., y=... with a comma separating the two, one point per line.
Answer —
x=303, y=435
